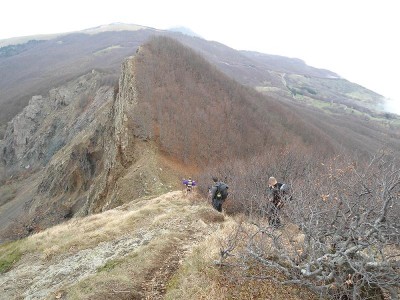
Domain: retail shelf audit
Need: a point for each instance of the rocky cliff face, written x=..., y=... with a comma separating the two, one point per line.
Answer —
x=78, y=144
x=49, y=123
x=118, y=144
x=52, y=141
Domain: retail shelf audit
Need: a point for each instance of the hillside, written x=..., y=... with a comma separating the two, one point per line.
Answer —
x=198, y=114
x=35, y=65
x=81, y=147
x=65, y=156
x=90, y=173
x=151, y=248
x=53, y=62
x=129, y=252
x=197, y=107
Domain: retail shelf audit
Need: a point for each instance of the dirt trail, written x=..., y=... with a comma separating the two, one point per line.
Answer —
x=155, y=285
x=176, y=222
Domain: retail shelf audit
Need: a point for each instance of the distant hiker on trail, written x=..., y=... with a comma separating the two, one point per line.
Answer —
x=189, y=183
x=219, y=192
x=277, y=192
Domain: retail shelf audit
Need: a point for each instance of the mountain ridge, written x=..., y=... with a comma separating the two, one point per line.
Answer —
x=105, y=160
x=90, y=139
x=117, y=26
x=73, y=55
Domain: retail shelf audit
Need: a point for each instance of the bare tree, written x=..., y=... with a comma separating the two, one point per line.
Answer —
x=342, y=232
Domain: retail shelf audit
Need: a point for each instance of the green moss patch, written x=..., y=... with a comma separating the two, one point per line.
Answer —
x=9, y=255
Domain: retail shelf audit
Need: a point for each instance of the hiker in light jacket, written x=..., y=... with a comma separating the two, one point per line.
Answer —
x=189, y=183
x=277, y=191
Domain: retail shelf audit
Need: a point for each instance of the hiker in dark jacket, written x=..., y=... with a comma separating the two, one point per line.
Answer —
x=277, y=191
x=219, y=192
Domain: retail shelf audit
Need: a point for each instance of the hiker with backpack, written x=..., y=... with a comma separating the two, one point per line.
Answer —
x=219, y=192
x=278, y=193
x=189, y=183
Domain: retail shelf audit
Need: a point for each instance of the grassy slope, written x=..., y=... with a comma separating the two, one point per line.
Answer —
x=147, y=249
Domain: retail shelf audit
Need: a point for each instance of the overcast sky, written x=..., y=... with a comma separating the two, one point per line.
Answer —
x=358, y=39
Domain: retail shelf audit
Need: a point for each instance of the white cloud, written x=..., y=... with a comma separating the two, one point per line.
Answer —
x=393, y=106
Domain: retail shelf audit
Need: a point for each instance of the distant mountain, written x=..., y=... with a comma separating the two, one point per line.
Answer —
x=94, y=30
x=113, y=27
x=284, y=64
x=33, y=68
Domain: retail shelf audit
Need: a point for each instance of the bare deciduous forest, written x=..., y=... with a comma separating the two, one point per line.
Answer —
x=199, y=115
x=345, y=189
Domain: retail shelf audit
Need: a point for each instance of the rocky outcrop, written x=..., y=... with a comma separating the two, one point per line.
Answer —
x=83, y=176
x=20, y=131
x=57, y=140
x=49, y=123
x=80, y=144
x=119, y=148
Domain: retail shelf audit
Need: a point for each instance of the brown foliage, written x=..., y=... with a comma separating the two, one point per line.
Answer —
x=200, y=116
x=347, y=213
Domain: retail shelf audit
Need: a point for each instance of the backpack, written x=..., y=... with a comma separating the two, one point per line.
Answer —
x=284, y=189
x=286, y=192
x=222, y=191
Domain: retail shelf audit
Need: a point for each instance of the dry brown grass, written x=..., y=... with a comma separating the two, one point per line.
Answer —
x=143, y=273
x=198, y=278
x=182, y=261
x=87, y=232
x=172, y=222
x=202, y=276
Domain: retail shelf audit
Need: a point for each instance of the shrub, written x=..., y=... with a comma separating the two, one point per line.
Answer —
x=348, y=246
